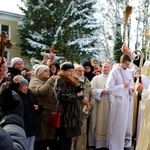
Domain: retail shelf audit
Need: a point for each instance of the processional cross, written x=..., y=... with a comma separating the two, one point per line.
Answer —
x=4, y=43
x=51, y=50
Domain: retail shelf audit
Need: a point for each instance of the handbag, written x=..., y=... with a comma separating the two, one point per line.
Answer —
x=54, y=119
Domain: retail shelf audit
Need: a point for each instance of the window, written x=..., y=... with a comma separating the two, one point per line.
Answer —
x=6, y=54
x=5, y=28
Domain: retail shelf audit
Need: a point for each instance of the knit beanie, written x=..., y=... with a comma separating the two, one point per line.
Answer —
x=40, y=69
x=15, y=60
x=22, y=81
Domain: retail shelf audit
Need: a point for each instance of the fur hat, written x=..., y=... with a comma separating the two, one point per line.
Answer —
x=67, y=65
x=15, y=60
x=22, y=81
x=40, y=69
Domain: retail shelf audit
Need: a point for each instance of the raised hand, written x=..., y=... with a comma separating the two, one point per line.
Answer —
x=126, y=50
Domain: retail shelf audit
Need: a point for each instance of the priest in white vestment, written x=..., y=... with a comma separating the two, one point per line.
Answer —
x=100, y=113
x=143, y=142
x=120, y=85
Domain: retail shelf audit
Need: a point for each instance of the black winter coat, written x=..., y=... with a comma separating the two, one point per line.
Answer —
x=11, y=108
x=13, y=72
x=71, y=119
x=30, y=114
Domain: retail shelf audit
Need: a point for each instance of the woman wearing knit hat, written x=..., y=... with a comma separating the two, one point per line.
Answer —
x=41, y=69
x=41, y=84
x=31, y=110
x=19, y=61
x=18, y=68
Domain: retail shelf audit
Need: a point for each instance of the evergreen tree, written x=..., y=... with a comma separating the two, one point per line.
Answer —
x=68, y=25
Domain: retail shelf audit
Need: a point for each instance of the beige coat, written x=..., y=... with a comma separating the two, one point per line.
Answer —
x=43, y=89
x=88, y=93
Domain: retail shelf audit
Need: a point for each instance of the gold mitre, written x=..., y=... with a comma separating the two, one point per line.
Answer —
x=145, y=70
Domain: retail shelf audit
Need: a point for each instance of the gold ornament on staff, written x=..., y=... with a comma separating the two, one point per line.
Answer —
x=147, y=35
x=127, y=13
x=145, y=70
x=139, y=55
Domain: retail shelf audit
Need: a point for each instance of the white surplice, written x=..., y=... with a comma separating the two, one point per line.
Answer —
x=120, y=121
x=100, y=113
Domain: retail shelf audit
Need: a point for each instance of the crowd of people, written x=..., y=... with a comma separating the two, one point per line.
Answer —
x=96, y=102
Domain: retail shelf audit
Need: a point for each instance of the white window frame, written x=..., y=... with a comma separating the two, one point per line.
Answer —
x=9, y=30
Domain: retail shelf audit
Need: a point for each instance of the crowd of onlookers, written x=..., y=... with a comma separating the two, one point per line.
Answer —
x=96, y=103
x=27, y=97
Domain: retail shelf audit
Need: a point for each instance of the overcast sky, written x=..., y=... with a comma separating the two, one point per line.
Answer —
x=11, y=6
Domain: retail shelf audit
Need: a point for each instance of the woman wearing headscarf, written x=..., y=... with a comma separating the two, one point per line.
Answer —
x=88, y=70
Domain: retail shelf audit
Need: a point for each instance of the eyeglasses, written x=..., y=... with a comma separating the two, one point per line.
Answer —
x=70, y=70
x=80, y=70
x=127, y=64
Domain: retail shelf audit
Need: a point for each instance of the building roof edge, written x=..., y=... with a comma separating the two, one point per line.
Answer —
x=10, y=14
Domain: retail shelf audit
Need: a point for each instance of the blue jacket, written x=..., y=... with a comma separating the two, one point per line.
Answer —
x=6, y=142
